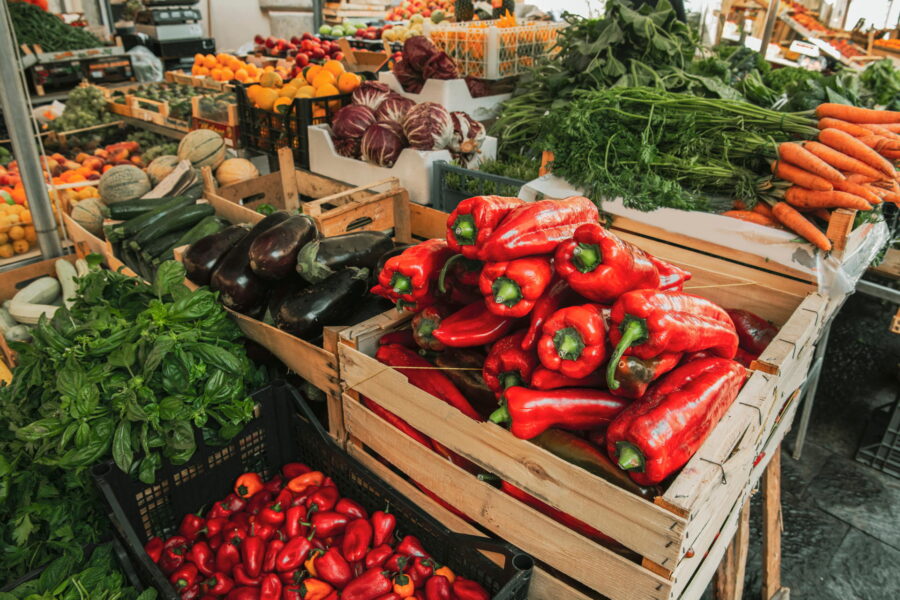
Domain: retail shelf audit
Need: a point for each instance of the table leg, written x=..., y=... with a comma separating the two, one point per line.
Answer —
x=809, y=393
x=729, y=581
x=772, y=526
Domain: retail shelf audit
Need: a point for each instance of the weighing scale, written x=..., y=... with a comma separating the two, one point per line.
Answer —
x=172, y=29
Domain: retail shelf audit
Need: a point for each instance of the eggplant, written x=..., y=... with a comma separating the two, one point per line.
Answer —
x=273, y=254
x=286, y=289
x=203, y=256
x=397, y=250
x=325, y=303
x=239, y=287
x=322, y=258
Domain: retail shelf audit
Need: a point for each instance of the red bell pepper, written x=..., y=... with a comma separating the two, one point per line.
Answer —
x=543, y=378
x=507, y=365
x=224, y=508
x=273, y=548
x=328, y=523
x=671, y=278
x=383, y=525
x=557, y=295
x=294, y=469
x=657, y=434
x=253, y=550
x=154, y=548
x=173, y=555
x=411, y=277
x=323, y=499
x=403, y=586
x=397, y=422
x=635, y=374
x=466, y=589
x=531, y=412
x=473, y=325
x=262, y=531
x=438, y=588
x=368, y=586
x=273, y=515
x=192, y=526
x=191, y=593
x=236, y=532
x=573, y=340
x=421, y=570
x=646, y=323
x=445, y=571
x=219, y=584
x=294, y=553
x=270, y=588
x=351, y=508
x=214, y=542
x=259, y=501
x=274, y=485
x=357, y=537
x=511, y=288
x=248, y=485
x=294, y=519
x=397, y=563
x=215, y=526
x=333, y=568
x=754, y=332
x=227, y=556
x=184, y=576
x=424, y=324
x=202, y=556
x=538, y=228
x=243, y=593
x=459, y=271
x=411, y=546
x=377, y=556
x=474, y=220
x=242, y=578
x=601, y=266
x=430, y=380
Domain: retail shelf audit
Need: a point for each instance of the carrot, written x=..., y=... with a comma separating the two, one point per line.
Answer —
x=846, y=143
x=790, y=218
x=858, y=190
x=798, y=156
x=802, y=178
x=881, y=130
x=879, y=143
x=891, y=154
x=804, y=198
x=750, y=217
x=841, y=161
x=856, y=115
x=893, y=127
x=739, y=205
x=763, y=209
x=822, y=213
x=851, y=128
x=861, y=179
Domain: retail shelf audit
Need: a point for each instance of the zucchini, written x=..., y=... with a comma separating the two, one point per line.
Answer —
x=6, y=321
x=30, y=313
x=185, y=216
x=130, y=209
x=208, y=226
x=66, y=274
x=39, y=291
x=154, y=248
x=19, y=333
x=81, y=267
x=133, y=226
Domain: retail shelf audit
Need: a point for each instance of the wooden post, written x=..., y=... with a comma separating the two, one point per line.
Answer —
x=772, y=526
x=729, y=581
x=288, y=180
x=330, y=340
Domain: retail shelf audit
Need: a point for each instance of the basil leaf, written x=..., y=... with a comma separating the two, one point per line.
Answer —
x=122, y=452
x=149, y=465
x=169, y=276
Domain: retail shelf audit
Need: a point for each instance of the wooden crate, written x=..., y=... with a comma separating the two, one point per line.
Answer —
x=157, y=112
x=683, y=533
x=228, y=128
x=206, y=83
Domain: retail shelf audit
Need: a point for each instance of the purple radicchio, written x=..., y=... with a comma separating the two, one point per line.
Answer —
x=371, y=93
x=394, y=108
x=352, y=121
x=428, y=126
x=410, y=79
x=440, y=66
x=382, y=144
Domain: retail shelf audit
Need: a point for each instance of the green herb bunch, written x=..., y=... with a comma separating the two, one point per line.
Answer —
x=85, y=106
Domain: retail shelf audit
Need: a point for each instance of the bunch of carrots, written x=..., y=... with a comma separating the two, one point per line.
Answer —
x=850, y=166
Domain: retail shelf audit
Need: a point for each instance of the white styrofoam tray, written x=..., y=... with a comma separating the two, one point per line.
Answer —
x=452, y=94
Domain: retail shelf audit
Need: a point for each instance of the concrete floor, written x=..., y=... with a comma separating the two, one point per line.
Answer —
x=841, y=536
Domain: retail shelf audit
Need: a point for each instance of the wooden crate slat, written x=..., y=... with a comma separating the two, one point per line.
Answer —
x=804, y=326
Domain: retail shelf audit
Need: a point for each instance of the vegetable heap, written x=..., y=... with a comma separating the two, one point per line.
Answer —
x=32, y=25
x=85, y=106
x=295, y=537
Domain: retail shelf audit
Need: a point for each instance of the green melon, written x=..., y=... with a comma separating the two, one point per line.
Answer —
x=123, y=183
x=204, y=148
x=89, y=213
x=160, y=168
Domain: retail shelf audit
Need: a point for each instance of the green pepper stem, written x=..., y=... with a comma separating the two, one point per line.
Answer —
x=569, y=344
x=629, y=456
x=401, y=284
x=425, y=328
x=506, y=292
x=487, y=477
x=464, y=229
x=586, y=257
x=510, y=379
x=442, y=277
x=501, y=416
x=633, y=330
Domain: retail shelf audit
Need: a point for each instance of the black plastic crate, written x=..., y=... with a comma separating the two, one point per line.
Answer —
x=451, y=184
x=266, y=131
x=880, y=446
x=276, y=436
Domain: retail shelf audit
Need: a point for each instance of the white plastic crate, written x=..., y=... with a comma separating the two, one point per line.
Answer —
x=452, y=94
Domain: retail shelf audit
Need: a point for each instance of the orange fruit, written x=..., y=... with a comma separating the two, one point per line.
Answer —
x=307, y=91
x=270, y=79
x=30, y=234
x=17, y=232
x=4, y=239
x=210, y=61
x=268, y=68
x=216, y=73
x=227, y=74
x=326, y=90
x=266, y=97
x=334, y=67
x=198, y=58
x=324, y=78
x=252, y=91
x=310, y=72
x=6, y=251
x=241, y=74
x=348, y=82
x=25, y=217
x=20, y=247
x=195, y=70
x=282, y=105
x=287, y=91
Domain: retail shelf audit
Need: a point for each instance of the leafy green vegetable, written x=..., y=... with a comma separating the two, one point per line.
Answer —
x=34, y=25
x=883, y=82
x=85, y=106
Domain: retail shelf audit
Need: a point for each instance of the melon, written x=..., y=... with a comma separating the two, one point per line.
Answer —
x=160, y=168
x=123, y=183
x=235, y=170
x=203, y=147
x=89, y=213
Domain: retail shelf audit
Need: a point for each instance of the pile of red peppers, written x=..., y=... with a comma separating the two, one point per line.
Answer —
x=294, y=537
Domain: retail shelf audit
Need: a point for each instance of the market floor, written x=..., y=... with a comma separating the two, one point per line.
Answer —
x=841, y=537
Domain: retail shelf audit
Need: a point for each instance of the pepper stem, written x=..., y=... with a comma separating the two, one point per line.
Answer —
x=510, y=379
x=442, y=277
x=465, y=231
x=426, y=327
x=401, y=284
x=633, y=331
x=569, y=344
x=506, y=292
x=629, y=457
x=586, y=257
x=501, y=416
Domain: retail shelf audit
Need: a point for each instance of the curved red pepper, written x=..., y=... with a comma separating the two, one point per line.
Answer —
x=173, y=555
x=657, y=434
x=538, y=228
x=294, y=553
x=262, y=531
x=227, y=556
x=403, y=337
x=507, y=365
x=357, y=537
x=202, y=556
x=191, y=593
x=294, y=520
x=646, y=323
x=397, y=422
x=328, y=523
x=219, y=584
x=557, y=295
x=301, y=483
x=273, y=548
x=438, y=588
x=242, y=578
x=459, y=272
x=270, y=588
x=333, y=568
x=294, y=469
x=671, y=278
x=754, y=332
x=424, y=324
x=511, y=288
x=184, y=577
x=422, y=569
x=573, y=340
x=215, y=526
x=473, y=325
x=426, y=377
x=368, y=586
x=377, y=556
x=411, y=546
x=192, y=526
x=383, y=525
x=601, y=266
x=531, y=412
x=274, y=485
x=543, y=378
x=154, y=548
x=253, y=550
x=411, y=277
x=323, y=499
x=243, y=593
x=474, y=220
x=466, y=589
x=351, y=508
x=636, y=374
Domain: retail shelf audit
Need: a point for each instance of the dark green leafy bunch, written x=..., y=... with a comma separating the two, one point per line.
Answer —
x=882, y=81
x=32, y=25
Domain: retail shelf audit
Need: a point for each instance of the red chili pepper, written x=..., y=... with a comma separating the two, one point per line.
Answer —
x=262, y=531
x=531, y=412
x=657, y=434
x=557, y=295
x=635, y=374
x=242, y=577
x=215, y=541
x=192, y=526
x=459, y=272
x=411, y=546
x=328, y=523
x=474, y=220
x=397, y=422
x=601, y=266
x=377, y=556
x=270, y=588
x=544, y=379
x=215, y=526
x=404, y=337
x=253, y=550
x=357, y=537
x=323, y=499
x=671, y=278
x=219, y=584
x=285, y=498
x=274, y=485
x=299, y=484
x=507, y=365
x=754, y=332
x=273, y=515
x=227, y=556
x=438, y=588
x=273, y=548
x=248, y=485
x=333, y=568
x=424, y=324
x=511, y=288
x=403, y=586
x=294, y=469
x=154, y=548
x=411, y=277
x=573, y=340
x=243, y=593
x=646, y=323
x=236, y=531
x=538, y=228
x=351, y=508
x=473, y=325
x=428, y=379
x=294, y=518
x=368, y=586
x=294, y=553
x=173, y=555
x=184, y=577
x=203, y=557
x=466, y=589
x=383, y=525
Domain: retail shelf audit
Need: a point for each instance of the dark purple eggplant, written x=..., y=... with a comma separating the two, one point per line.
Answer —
x=273, y=254
x=203, y=256
x=328, y=302
x=322, y=258
x=287, y=288
x=239, y=287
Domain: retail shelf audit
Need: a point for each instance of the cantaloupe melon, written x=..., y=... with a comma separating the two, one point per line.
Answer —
x=89, y=213
x=204, y=148
x=123, y=183
x=235, y=170
x=160, y=168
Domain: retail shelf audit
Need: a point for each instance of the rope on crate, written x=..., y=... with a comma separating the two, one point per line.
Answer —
x=722, y=285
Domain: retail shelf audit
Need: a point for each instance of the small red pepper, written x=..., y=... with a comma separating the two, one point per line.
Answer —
x=507, y=365
x=389, y=596
x=411, y=277
x=671, y=278
x=428, y=379
x=459, y=272
x=557, y=295
x=328, y=523
x=424, y=324
x=323, y=499
x=294, y=553
x=253, y=550
x=192, y=526
x=294, y=469
x=227, y=556
x=351, y=508
x=173, y=555
x=184, y=577
x=531, y=412
x=538, y=228
x=411, y=546
x=259, y=501
x=273, y=548
x=511, y=288
x=357, y=537
x=262, y=531
x=635, y=374
x=397, y=422
x=377, y=556
x=154, y=548
x=601, y=266
x=646, y=323
x=422, y=569
x=285, y=498
x=248, y=485
x=294, y=519
x=273, y=515
x=466, y=589
x=274, y=485
x=215, y=541
x=236, y=532
x=754, y=332
x=191, y=593
x=473, y=325
x=383, y=525
x=299, y=484
x=270, y=588
x=474, y=220
x=219, y=584
x=333, y=568
x=438, y=588
x=243, y=593
x=215, y=526
x=396, y=563
x=368, y=586
x=242, y=577
x=544, y=379
x=573, y=340
x=657, y=434
x=403, y=586
x=203, y=557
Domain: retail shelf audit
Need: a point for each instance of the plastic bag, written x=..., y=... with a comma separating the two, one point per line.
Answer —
x=147, y=66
